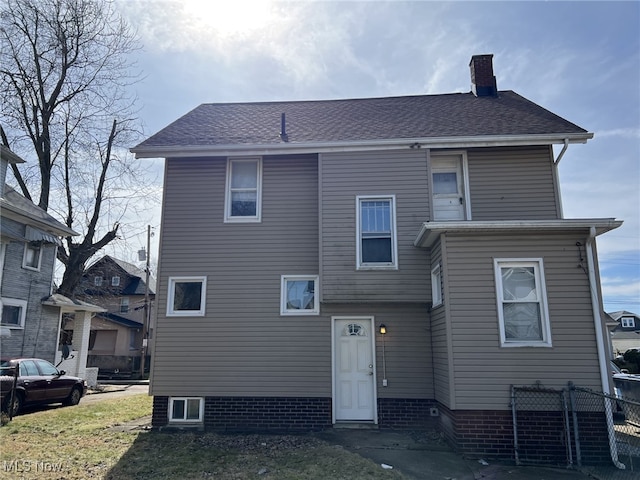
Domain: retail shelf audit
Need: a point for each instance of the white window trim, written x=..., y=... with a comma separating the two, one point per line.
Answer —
x=171, y=294
x=436, y=286
x=185, y=420
x=537, y=263
x=124, y=302
x=97, y=281
x=23, y=312
x=393, y=265
x=115, y=281
x=24, y=258
x=629, y=321
x=283, y=295
x=227, y=196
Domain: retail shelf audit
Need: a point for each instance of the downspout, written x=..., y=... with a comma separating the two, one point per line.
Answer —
x=561, y=154
x=604, y=371
x=556, y=172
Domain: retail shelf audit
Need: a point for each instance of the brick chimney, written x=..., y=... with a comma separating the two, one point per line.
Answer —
x=483, y=82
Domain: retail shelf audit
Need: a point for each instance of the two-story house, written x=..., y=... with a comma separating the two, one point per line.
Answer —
x=116, y=338
x=625, y=331
x=371, y=261
x=31, y=313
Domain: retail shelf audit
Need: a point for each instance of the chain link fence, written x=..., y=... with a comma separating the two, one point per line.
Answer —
x=578, y=428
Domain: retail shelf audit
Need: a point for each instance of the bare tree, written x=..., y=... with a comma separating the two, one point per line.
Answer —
x=65, y=78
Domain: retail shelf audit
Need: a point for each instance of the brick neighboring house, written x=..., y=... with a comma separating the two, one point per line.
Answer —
x=373, y=261
x=116, y=338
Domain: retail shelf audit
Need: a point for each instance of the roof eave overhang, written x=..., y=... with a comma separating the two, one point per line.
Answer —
x=22, y=216
x=431, y=231
x=353, y=146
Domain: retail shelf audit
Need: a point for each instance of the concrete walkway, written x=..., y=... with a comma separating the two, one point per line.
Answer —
x=424, y=455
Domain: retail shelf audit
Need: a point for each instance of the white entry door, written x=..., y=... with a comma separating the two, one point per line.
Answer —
x=354, y=371
x=448, y=188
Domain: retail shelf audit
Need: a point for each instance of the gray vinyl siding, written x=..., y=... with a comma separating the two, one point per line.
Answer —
x=39, y=338
x=242, y=346
x=440, y=343
x=407, y=346
x=474, y=322
x=512, y=184
x=402, y=173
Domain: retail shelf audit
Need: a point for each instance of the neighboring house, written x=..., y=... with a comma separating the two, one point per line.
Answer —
x=31, y=315
x=295, y=233
x=625, y=334
x=117, y=335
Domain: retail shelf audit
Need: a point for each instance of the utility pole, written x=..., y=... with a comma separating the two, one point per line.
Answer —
x=147, y=309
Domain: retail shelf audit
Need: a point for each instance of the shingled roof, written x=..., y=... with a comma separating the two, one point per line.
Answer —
x=413, y=118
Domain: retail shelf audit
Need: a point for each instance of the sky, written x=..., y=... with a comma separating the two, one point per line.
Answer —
x=581, y=60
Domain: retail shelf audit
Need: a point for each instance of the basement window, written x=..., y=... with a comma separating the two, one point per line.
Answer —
x=186, y=409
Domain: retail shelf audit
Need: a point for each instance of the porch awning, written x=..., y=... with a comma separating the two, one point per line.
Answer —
x=431, y=231
x=33, y=234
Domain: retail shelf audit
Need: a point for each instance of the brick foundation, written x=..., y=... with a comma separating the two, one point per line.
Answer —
x=243, y=414
x=479, y=433
x=406, y=413
x=160, y=414
x=267, y=413
x=541, y=435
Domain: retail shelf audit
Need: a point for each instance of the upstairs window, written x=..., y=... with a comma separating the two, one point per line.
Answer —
x=522, y=303
x=628, y=322
x=97, y=281
x=298, y=295
x=186, y=296
x=124, y=304
x=376, y=233
x=32, y=255
x=243, y=190
x=115, y=281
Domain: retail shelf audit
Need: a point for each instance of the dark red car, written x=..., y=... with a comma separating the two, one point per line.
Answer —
x=39, y=382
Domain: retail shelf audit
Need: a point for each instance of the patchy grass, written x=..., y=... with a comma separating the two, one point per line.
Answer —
x=76, y=443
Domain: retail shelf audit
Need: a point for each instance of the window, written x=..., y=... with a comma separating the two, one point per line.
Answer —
x=436, y=286
x=32, y=255
x=186, y=296
x=124, y=304
x=243, y=191
x=14, y=312
x=522, y=303
x=376, y=232
x=97, y=281
x=628, y=322
x=298, y=295
x=186, y=409
x=46, y=368
x=132, y=339
x=115, y=281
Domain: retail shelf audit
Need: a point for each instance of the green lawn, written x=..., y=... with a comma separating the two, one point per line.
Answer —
x=74, y=443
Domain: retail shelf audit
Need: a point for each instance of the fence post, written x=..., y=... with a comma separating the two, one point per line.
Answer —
x=565, y=414
x=515, y=424
x=574, y=414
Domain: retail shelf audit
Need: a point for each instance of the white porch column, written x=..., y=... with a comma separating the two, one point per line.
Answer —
x=81, y=331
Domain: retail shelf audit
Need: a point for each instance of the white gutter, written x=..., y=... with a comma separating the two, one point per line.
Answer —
x=160, y=151
x=604, y=370
x=429, y=231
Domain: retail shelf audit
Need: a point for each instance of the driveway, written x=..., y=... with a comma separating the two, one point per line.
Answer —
x=114, y=391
